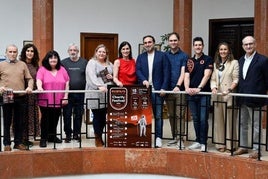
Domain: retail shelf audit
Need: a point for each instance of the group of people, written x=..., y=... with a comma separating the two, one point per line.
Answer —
x=173, y=71
x=222, y=76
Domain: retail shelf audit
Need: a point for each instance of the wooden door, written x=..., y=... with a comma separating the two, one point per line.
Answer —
x=231, y=31
x=89, y=42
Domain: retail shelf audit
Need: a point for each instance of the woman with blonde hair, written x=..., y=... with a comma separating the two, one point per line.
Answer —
x=99, y=74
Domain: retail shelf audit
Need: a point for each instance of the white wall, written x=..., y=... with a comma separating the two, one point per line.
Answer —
x=15, y=23
x=203, y=10
x=131, y=19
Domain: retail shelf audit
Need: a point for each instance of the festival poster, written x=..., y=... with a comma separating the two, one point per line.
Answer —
x=129, y=117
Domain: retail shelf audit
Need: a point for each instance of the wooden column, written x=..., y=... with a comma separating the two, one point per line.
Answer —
x=43, y=25
x=260, y=25
x=182, y=23
x=261, y=33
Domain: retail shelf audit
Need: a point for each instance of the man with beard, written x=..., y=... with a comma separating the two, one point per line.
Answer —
x=152, y=69
x=75, y=67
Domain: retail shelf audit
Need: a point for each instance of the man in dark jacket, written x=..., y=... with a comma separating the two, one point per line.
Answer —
x=253, y=79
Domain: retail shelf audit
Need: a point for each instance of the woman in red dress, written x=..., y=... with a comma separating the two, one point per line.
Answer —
x=124, y=69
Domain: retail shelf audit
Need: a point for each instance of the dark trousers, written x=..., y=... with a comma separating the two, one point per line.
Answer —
x=75, y=107
x=99, y=120
x=49, y=122
x=14, y=112
x=199, y=107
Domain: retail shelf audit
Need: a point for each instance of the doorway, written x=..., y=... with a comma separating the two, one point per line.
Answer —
x=231, y=31
x=89, y=42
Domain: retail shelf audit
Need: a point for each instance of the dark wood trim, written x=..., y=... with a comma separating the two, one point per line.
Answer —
x=86, y=35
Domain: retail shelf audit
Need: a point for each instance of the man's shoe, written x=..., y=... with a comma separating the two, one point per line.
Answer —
x=76, y=137
x=171, y=142
x=43, y=143
x=240, y=151
x=20, y=147
x=27, y=143
x=57, y=140
x=195, y=145
x=158, y=142
x=203, y=148
x=68, y=139
x=7, y=148
x=254, y=155
x=180, y=144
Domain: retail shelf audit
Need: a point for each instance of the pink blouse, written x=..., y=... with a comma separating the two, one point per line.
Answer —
x=51, y=82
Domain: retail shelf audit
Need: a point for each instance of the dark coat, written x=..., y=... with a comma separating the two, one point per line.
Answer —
x=160, y=73
x=256, y=81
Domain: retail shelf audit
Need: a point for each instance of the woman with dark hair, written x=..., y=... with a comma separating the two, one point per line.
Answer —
x=124, y=67
x=224, y=80
x=51, y=76
x=29, y=54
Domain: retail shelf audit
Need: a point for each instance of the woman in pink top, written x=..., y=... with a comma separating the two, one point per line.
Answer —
x=51, y=76
x=125, y=66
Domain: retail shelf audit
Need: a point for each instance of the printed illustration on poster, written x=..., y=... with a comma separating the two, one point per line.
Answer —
x=129, y=116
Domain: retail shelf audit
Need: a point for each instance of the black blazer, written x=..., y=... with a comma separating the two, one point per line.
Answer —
x=256, y=81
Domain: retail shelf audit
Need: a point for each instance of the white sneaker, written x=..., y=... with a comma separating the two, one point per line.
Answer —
x=195, y=145
x=203, y=148
x=180, y=144
x=158, y=142
x=171, y=142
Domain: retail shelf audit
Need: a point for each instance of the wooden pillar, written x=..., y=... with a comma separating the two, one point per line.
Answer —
x=261, y=33
x=43, y=25
x=182, y=23
x=260, y=25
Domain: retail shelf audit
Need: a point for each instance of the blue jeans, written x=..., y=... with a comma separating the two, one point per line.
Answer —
x=199, y=107
x=75, y=107
x=157, y=104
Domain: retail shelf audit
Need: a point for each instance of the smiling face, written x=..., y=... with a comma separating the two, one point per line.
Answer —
x=148, y=44
x=249, y=45
x=101, y=54
x=223, y=51
x=29, y=53
x=53, y=61
x=198, y=47
x=125, y=51
x=173, y=42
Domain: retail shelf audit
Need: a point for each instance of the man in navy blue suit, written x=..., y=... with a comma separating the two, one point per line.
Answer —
x=152, y=68
x=253, y=79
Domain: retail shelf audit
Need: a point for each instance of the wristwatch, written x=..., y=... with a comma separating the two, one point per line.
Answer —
x=200, y=87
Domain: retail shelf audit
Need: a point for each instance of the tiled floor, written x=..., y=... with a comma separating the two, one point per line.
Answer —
x=88, y=141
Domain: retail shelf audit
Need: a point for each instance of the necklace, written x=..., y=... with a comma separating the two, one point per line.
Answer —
x=222, y=67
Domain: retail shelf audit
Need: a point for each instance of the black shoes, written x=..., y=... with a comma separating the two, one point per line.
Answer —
x=55, y=139
x=43, y=143
x=76, y=137
x=27, y=143
x=20, y=147
x=68, y=139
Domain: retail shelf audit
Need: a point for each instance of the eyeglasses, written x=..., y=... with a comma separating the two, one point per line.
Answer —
x=248, y=44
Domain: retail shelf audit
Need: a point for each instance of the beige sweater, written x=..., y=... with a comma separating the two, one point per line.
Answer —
x=15, y=76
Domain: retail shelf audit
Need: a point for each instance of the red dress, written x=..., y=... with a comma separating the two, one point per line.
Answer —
x=127, y=72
